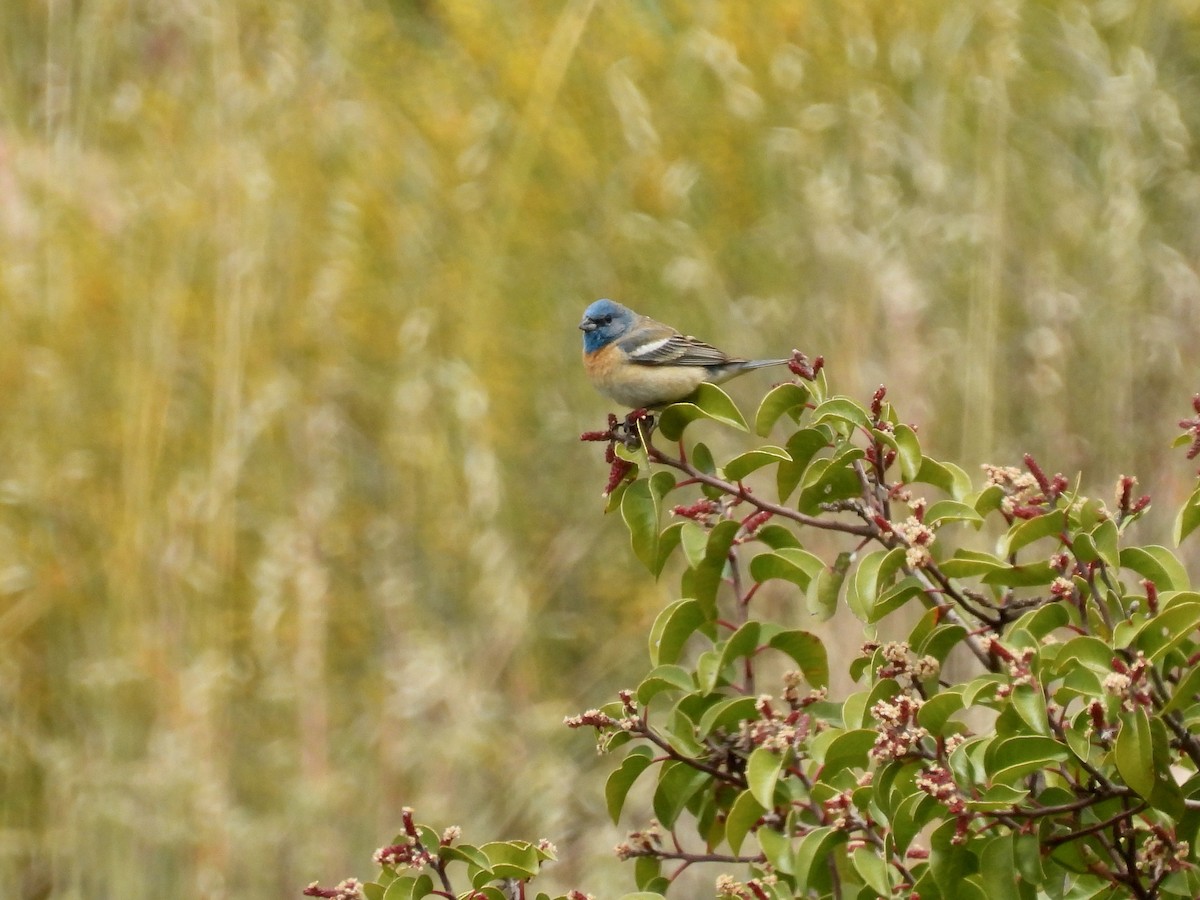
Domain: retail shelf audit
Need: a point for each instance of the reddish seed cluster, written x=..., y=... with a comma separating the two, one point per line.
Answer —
x=799, y=365
x=1192, y=427
x=397, y=855
x=701, y=511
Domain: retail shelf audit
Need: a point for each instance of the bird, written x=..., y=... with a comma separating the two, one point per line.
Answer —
x=644, y=364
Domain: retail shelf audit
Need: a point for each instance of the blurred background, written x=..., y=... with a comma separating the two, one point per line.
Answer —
x=295, y=528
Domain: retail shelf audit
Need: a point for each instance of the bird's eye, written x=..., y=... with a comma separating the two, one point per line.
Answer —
x=605, y=320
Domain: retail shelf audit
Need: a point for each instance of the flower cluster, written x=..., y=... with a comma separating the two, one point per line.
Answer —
x=938, y=783
x=350, y=889
x=778, y=729
x=900, y=663
x=1160, y=853
x=899, y=734
x=1128, y=682
x=1026, y=494
x=646, y=842
x=919, y=538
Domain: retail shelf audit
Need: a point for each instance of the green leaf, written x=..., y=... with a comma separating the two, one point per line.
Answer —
x=829, y=480
x=783, y=398
x=938, y=709
x=877, y=568
x=807, y=651
x=777, y=848
x=742, y=642
x=950, y=863
x=741, y=466
x=621, y=779
x=1133, y=752
x=1030, y=575
x=762, y=772
x=641, y=895
x=677, y=784
x=951, y=511
x=841, y=412
x=1029, y=530
x=1188, y=518
x=873, y=869
x=1030, y=704
x=640, y=508
x=810, y=861
x=668, y=540
x=743, y=816
x=909, y=452
x=708, y=402
x=801, y=448
x=727, y=714
x=1174, y=624
x=1158, y=564
x=512, y=859
x=788, y=564
x=645, y=870
x=947, y=476
x=822, y=595
x=971, y=564
x=996, y=865
x=703, y=581
x=1010, y=758
x=671, y=630
x=1107, y=539
x=848, y=751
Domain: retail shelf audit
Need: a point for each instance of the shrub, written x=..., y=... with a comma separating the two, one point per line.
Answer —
x=1062, y=763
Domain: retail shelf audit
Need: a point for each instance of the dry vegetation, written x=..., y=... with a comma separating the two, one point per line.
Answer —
x=294, y=528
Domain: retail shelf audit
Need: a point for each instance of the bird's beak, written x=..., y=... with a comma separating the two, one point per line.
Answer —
x=588, y=325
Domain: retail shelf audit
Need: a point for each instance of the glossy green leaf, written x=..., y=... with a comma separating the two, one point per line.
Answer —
x=843, y=413
x=1030, y=704
x=970, y=564
x=996, y=866
x=640, y=508
x=777, y=848
x=677, y=784
x=672, y=628
x=1107, y=539
x=938, y=709
x=947, y=476
x=909, y=452
x=801, y=448
x=512, y=859
x=744, y=814
x=807, y=651
x=1027, y=531
x=1158, y=564
x=1010, y=758
x=1188, y=518
x=789, y=564
x=741, y=643
x=1133, y=752
x=822, y=595
x=1175, y=623
x=952, y=511
x=787, y=398
x=810, y=861
x=621, y=779
x=1029, y=575
x=703, y=581
x=762, y=773
x=742, y=465
x=848, y=750
x=830, y=480
x=708, y=402
x=726, y=714
x=874, y=870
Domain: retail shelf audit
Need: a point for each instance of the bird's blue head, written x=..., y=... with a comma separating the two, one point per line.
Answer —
x=604, y=322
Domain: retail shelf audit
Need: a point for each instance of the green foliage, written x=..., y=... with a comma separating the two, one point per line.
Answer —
x=1060, y=761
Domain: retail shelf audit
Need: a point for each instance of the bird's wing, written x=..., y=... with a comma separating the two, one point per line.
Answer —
x=670, y=348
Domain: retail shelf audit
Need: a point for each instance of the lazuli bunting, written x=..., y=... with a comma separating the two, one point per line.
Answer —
x=642, y=363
